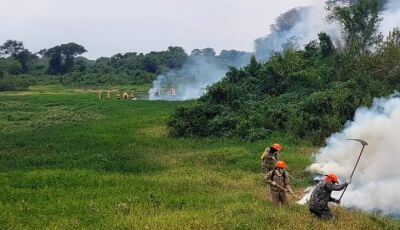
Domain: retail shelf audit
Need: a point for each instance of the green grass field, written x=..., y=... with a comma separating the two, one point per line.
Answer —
x=71, y=161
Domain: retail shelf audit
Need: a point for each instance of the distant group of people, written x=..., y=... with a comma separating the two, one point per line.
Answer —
x=125, y=95
x=278, y=178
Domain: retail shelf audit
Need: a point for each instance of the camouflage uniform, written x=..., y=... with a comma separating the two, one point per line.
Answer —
x=321, y=195
x=268, y=162
x=281, y=179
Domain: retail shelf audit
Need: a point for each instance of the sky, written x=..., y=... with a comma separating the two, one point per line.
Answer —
x=107, y=27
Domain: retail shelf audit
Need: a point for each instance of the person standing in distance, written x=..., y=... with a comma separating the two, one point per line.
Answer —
x=270, y=157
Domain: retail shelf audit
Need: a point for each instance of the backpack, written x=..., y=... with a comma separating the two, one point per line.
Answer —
x=283, y=174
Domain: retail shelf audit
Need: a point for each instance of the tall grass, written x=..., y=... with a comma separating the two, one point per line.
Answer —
x=108, y=164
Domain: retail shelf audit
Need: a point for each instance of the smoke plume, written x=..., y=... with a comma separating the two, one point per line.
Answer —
x=376, y=183
x=292, y=29
x=202, y=69
x=189, y=82
x=391, y=16
x=296, y=28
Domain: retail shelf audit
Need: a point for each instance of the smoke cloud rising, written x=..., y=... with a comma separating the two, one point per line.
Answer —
x=297, y=27
x=391, y=16
x=199, y=71
x=376, y=183
x=190, y=82
x=294, y=28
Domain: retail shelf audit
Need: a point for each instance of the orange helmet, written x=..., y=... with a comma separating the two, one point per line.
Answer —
x=331, y=177
x=277, y=146
x=280, y=164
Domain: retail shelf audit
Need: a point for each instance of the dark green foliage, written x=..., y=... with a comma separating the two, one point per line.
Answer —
x=326, y=45
x=62, y=57
x=22, y=82
x=15, y=51
x=121, y=69
x=128, y=68
x=62, y=60
x=307, y=94
x=10, y=84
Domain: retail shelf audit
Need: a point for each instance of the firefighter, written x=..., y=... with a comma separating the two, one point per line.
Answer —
x=279, y=180
x=270, y=157
x=321, y=195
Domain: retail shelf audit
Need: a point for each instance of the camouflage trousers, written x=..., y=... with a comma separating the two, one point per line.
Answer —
x=324, y=213
x=278, y=197
x=267, y=167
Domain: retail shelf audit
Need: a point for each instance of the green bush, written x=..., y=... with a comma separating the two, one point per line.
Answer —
x=306, y=94
x=10, y=84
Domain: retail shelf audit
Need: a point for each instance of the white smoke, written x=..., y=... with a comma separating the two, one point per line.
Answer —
x=190, y=82
x=376, y=183
x=391, y=16
x=299, y=28
x=308, y=24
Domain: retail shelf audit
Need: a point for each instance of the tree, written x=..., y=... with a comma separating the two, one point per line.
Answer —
x=150, y=64
x=291, y=43
x=287, y=20
x=175, y=57
x=253, y=66
x=195, y=52
x=360, y=23
x=10, y=65
x=325, y=44
x=11, y=48
x=62, y=57
x=16, y=50
x=208, y=52
x=333, y=3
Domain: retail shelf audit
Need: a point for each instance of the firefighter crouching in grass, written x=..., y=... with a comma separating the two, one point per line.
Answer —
x=270, y=157
x=279, y=180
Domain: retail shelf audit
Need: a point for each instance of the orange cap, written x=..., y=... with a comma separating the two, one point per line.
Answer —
x=331, y=177
x=280, y=164
x=277, y=146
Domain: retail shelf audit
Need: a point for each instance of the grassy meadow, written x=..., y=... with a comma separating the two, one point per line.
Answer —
x=71, y=161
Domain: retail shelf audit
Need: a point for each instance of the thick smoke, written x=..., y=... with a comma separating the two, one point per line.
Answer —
x=391, y=16
x=189, y=82
x=294, y=28
x=202, y=69
x=376, y=183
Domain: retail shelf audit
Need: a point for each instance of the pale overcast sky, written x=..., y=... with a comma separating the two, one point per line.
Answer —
x=106, y=27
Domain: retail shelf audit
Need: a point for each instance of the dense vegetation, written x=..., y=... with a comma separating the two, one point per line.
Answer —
x=71, y=161
x=20, y=68
x=306, y=93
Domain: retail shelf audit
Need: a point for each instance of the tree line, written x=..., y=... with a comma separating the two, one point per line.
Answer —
x=63, y=64
x=305, y=93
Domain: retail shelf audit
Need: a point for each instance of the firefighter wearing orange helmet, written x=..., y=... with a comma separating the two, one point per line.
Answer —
x=270, y=157
x=321, y=195
x=279, y=180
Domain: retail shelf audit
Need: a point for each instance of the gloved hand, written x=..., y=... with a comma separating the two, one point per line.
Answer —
x=273, y=183
x=337, y=201
x=348, y=181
